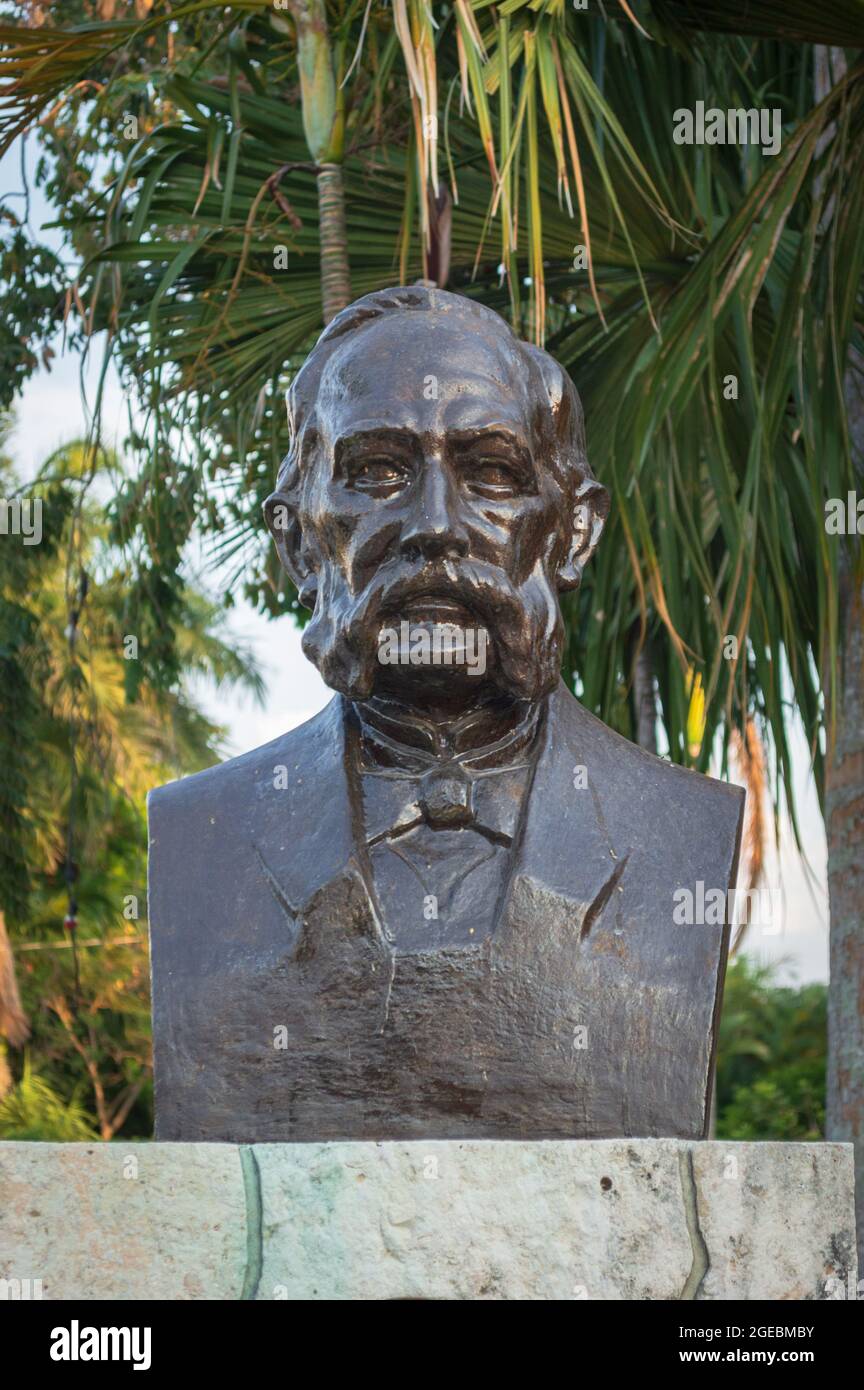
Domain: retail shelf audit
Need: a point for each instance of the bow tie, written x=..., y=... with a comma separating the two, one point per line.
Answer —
x=449, y=797
x=406, y=785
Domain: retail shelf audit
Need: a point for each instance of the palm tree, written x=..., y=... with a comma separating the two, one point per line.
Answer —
x=322, y=103
x=706, y=299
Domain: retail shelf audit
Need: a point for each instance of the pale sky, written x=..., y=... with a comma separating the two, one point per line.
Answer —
x=51, y=412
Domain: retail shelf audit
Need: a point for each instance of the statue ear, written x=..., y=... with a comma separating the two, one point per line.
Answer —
x=280, y=513
x=590, y=510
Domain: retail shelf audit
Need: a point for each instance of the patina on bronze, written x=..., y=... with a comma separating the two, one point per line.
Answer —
x=444, y=907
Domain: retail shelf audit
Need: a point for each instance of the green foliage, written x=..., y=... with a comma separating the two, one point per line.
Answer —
x=79, y=758
x=771, y=1057
x=33, y=1111
x=801, y=21
x=31, y=306
x=23, y=671
x=708, y=263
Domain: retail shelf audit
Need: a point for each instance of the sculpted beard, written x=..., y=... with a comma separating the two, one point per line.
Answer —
x=523, y=621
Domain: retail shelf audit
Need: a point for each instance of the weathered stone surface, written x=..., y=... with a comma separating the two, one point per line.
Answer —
x=474, y=1219
x=761, y=1205
x=124, y=1221
x=450, y=1219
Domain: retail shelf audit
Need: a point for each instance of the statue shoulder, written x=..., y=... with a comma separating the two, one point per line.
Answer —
x=292, y=759
x=638, y=786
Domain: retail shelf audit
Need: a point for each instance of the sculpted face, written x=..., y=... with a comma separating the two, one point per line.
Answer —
x=426, y=496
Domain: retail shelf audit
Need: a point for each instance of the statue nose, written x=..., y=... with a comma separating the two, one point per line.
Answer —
x=434, y=528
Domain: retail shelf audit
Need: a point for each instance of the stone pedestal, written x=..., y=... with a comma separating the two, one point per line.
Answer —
x=605, y=1219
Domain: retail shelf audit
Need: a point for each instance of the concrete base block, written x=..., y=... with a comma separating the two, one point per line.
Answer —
x=478, y=1219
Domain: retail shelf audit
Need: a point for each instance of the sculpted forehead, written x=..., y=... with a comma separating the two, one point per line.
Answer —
x=422, y=370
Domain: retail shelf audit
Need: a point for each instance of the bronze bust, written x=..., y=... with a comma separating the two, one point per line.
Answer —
x=443, y=907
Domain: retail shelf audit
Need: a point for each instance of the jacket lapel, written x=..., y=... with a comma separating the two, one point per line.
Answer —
x=305, y=840
x=567, y=851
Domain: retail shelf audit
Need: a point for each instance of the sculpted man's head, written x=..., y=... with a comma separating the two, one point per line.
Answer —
x=437, y=477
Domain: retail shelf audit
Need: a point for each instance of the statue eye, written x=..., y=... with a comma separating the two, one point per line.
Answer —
x=377, y=472
x=492, y=476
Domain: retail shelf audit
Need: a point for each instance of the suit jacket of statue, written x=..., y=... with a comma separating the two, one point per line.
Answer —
x=280, y=1011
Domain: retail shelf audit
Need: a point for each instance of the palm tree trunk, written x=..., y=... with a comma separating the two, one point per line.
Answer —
x=335, y=271
x=13, y=1021
x=844, y=803
x=844, y=824
x=642, y=693
x=324, y=126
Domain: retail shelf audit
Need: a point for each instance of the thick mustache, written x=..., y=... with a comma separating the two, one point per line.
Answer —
x=521, y=619
x=462, y=582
